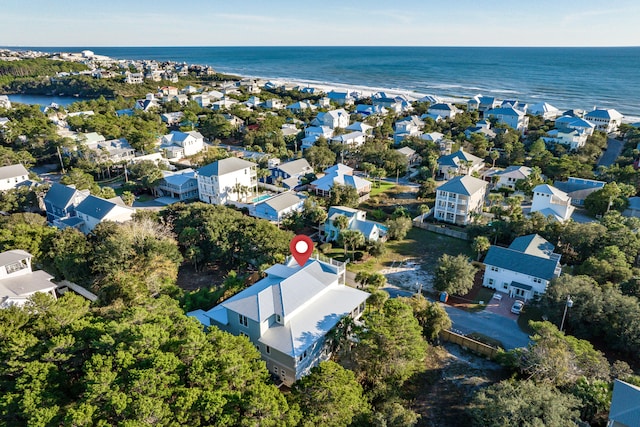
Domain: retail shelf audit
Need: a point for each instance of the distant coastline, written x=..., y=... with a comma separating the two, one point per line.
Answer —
x=565, y=77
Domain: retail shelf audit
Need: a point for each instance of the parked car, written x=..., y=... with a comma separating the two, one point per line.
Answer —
x=517, y=307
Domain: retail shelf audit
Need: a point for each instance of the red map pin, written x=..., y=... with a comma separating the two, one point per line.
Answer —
x=301, y=248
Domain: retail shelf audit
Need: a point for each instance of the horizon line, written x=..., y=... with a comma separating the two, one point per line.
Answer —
x=327, y=46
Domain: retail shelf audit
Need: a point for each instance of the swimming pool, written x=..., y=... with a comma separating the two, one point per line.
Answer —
x=261, y=198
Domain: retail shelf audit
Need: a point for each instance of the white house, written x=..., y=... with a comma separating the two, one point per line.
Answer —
x=509, y=116
x=180, y=185
x=333, y=119
x=459, y=163
x=300, y=106
x=356, y=220
x=360, y=127
x=353, y=139
x=340, y=175
x=572, y=138
x=579, y=188
x=550, y=201
x=458, y=199
x=177, y=145
x=409, y=126
x=288, y=314
x=11, y=176
x=18, y=282
x=509, y=176
x=278, y=207
x=227, y=180
x=445, y=110
x=93, y=210
x=544, y=110
x=273, y=104
x=524, y=269
x=606, y=120
x=577, y=123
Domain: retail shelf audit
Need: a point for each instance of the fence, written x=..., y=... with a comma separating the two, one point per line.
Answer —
x=440, y=229
x=471, y=344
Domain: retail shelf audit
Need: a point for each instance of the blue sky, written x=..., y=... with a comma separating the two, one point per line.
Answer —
x=321, y=23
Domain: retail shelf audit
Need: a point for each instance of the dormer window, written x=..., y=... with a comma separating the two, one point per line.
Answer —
x=278, y=318
x=16, y=266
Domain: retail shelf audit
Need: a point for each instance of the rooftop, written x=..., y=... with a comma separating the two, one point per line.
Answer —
x=225, y=166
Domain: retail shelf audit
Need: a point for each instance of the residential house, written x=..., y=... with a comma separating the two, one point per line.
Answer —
x=273, y=104
x=60, y=202
x=625, y=405
x=235, y=121
x=446, y=110
x=412, y=156
x=432, y=136
x=114, y=150
x=482, y=103
x=458, y=199
x=227, y=180
x=341, y=98
x=550, y=201
x=203, y=100
x=371, y=110
x=11, y=176
x=352, y=139
x=459, y=163
x=177, y=144
x=147, y=104
x=482, y=127
x=181, y=185
x=579, y=188
x=289, y=174
x=606, y=120
x=509, y=176
x=4, y=121
x=133, y=78
x=278, y=207
x=360, y=127
x=515, y=104
x=332, y=119
x=633, y=209
x=223, y=104
x=509, y=116
x=397, y=104
x=300, y=106
x=172, y=119
x=340, y=175
x=93, y=210
x=409, y=126
x=356, y=220
x=312, y=133
x=18, y=282
x=431, y=99
x=572, y=138
x=544, y=110
x=288, y=315
x=577, y=123
x=253, y=102
x=524, y=269
x=5, y=102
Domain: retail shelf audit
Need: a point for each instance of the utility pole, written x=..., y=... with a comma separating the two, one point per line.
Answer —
x=60, y=157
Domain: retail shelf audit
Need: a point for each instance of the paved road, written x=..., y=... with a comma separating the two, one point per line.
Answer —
x=614, y=148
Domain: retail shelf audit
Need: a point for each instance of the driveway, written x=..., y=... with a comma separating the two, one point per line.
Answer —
x=614, y=148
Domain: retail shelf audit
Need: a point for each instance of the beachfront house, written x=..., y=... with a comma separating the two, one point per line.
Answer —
x=341, y=98
x=459, y=163
x=544, y=110
x=289, y=175
x=356, y=220
x=340, y=175
x=180, y=185
x=278, y=207
x=445, y=110
x=551, y=202
x=458, y=199
x=18, y=281
x=509, y=116
x=11, y=176
x=524, y=269
x=177, y=144
x=287, y=315
x=227, y=180
x=605, y=119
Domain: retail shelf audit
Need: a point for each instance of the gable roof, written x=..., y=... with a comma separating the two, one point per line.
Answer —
x=225, y=166
x=551, y=190
x=14, y=255
x=295, y=167
x=465, y=185
x=13, y=171
x=533, y=244
x=518, y=171
x=625, y=404
x=453, y=159
x=505, y=111
x=60, y=195
x=283, y=201
x=529, y=262
x=601, y=113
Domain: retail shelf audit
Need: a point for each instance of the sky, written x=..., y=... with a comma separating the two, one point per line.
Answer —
x=319, y=23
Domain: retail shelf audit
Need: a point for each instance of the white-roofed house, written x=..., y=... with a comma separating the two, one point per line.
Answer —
x=227, y=180
x=300, y=106
x=573, y=138
x=278, y=207
x=177, y=145
x=172, y=119
x=360, y=127
x=352, y=139
x=412, y=156
x=459, y=198
x=288, y=314
x=340, y=175
x=409, y=126
x=577, y=123
x=334, y=119
x=445, y=110
x=524, y=269
x=357, y=221
x=544, y=110
x=459, y=163
x=606, y=120
x=18, y=282
x=550, y=201
x=509, y=176
x=11, y=176
x=312, y=133
x=509, y=116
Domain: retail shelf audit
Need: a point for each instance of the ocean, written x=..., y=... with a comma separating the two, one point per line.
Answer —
x=564, y=77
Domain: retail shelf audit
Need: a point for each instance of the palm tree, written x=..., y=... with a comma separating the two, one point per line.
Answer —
x=494, y=155
x=422, y=210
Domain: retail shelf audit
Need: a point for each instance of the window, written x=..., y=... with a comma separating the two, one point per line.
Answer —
x=268, y=349
x=491, y=281
x=243, y=320
x=536, y=280
x=257, y=347
x=494, y=268
x=278, y=318
x=505, y=285
x=16, y=266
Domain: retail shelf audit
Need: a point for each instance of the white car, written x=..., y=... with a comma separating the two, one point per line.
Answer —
x=517, y=307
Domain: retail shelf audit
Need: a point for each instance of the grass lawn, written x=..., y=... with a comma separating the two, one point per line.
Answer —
x=418, y=243
x=384, y=187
